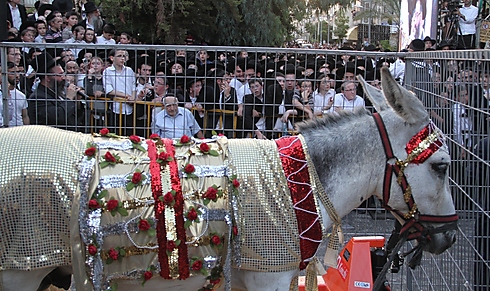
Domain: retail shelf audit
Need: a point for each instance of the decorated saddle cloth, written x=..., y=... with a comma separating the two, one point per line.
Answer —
x=153, y=208
x=38, y=183
x=275, y=209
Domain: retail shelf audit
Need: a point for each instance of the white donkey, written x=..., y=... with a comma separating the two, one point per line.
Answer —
x=264, y=240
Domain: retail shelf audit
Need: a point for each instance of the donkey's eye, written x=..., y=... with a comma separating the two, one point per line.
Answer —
x=440, y=168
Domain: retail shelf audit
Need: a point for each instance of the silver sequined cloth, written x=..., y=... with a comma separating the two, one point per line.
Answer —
x=269, y=239
x=38, y=182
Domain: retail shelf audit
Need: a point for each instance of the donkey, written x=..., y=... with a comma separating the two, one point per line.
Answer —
x=395, y=154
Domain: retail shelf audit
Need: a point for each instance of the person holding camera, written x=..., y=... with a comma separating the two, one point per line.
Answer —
x=467, y=25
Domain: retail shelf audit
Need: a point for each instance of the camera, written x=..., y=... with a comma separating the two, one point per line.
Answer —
x=454, y=5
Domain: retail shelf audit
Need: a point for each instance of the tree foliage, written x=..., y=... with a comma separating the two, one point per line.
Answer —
x=225, y=22
x=341, y=23
x=388, y=10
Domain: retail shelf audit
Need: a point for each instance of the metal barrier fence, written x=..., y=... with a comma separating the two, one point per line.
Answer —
x=438, y=78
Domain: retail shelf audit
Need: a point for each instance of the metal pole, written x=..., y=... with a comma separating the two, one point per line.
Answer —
x=3, y=23
x=369, y=22
x=321, y=32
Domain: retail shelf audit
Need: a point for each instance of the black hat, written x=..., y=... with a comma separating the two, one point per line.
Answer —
x=90, y=7
x=349, y=67
x=177, y=60
x=44, y=7
x=50, y=17
x=63, y=6
x=371, y=48
x=292, y=69
x=43, y=63
x=192, y=76
x=443, y=44
x=417, y=45
x=427, y=38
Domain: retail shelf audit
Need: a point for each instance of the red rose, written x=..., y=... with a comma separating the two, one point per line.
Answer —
x=136, y=177
x=197, y=265
x=168, y=198
x=214, y=281
x=220, y=134
x=154, y=136
x=236, y=184
x=163, y=156
x=104, y=131
x=109, y=157
x=113, y=254
x=148, y=275
x=90, y=152
x=216, y=240
x=204, y=147
x=211, y=193
x=135, y=139
x=93, y=204
x=185, y=139
x=192, y=214
x=144, y=225
x=171, y=245
x=189, y=169
x=112, y=204
x=234, y=229
x=92, y=249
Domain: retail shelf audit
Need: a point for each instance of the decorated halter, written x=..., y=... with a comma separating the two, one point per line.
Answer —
x=420, y=147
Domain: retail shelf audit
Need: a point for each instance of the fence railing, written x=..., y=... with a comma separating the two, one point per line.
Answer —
x=453, y=85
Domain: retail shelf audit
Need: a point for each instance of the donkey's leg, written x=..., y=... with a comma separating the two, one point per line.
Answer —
x=14, y=280
x=263, y=281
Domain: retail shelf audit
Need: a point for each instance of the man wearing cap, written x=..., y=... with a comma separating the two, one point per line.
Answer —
x=421, y=78
x=55, y=32
x=444, y=46
x=429, y=43
x=53, y=103
x=467, y=25
x=93, y=19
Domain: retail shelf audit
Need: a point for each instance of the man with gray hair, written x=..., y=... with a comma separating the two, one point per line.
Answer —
x=174, y=121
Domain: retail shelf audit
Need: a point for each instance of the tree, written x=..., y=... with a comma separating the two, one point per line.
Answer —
x=341, y=23
x=225, y=22
x=388, y=10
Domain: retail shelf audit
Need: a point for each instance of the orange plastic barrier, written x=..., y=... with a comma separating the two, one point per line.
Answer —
x=354, y=270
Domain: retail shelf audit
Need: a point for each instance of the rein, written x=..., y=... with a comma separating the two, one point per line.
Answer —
x=419, y=148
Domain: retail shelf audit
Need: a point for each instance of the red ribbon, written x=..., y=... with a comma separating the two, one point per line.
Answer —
x=295, y=167
x=159, y=207
x=179, y=212
x=418, y=138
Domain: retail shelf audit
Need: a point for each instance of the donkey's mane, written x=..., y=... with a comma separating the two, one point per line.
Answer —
x=331, y=120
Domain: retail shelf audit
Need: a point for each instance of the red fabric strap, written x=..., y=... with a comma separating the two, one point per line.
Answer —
x=295, y=167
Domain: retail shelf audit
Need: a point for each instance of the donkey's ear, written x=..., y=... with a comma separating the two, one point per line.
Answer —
x=404, y=102
x=374, y=94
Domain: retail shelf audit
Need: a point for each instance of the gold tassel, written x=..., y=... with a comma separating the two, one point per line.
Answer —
x=294, y=284
x=311, y=282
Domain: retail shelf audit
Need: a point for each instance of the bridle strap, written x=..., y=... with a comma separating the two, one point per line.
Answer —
x=391, y=168
x=413, y=218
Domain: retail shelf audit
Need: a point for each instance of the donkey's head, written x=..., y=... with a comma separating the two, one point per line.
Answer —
x=415, y=186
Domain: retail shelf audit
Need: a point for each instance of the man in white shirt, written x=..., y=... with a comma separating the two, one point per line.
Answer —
x=175, y=121
x=16, y=13
x=17, y=101
x=119, y=82
x=347, y=99
x=467, y=25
